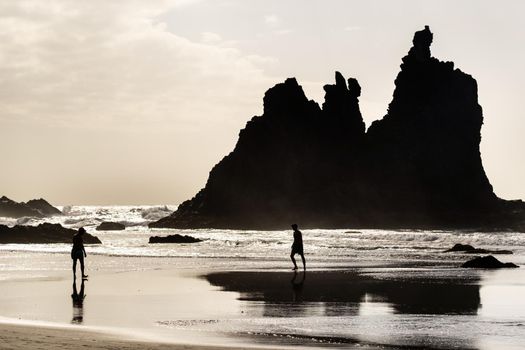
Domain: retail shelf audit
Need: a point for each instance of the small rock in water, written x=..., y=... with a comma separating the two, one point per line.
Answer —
x=487, y=262
x=110, y=226
x=467, y=248
x=176, y=238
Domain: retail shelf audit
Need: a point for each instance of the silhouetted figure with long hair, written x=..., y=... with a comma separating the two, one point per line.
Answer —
x=297, y=246
x=78, y=302
x=78, y=252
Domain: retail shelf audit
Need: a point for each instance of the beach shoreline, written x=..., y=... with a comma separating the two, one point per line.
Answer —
x=22, y=335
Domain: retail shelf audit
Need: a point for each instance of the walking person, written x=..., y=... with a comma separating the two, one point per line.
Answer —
x=78, y=252
x=297, y=247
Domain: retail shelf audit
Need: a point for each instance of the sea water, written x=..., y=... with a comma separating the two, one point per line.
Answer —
x=379, y=260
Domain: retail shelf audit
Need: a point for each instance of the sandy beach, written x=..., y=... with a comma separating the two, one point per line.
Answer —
x=197, y=303
x=22, y=337
x=121, y=309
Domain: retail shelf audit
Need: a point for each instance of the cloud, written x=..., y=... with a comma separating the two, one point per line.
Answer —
x=271, y=19
x=112, y=64
x=210, y=38
x=352, y=28
x=283, y=31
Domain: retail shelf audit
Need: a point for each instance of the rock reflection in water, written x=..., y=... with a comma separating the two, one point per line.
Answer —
x=332, y=293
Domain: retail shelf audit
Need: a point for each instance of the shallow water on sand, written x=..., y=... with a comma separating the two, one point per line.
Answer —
x=367, y=288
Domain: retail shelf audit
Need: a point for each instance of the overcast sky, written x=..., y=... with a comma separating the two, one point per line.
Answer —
x=133, y=102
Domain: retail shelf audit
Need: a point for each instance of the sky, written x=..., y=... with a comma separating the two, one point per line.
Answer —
x=133, y=102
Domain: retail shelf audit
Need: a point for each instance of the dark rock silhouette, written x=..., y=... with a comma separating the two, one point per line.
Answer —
x=36, y=208
x=417, y=167
x=110, y=226
x=10, y=208
x=43, y=207
x=176, y=238
x=43, y=233
x=467, y=248
x=461, y=248
x=487, y=262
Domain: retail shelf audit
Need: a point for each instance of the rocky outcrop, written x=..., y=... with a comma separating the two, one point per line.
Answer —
x=43, y=233
x=487, y=262
x=35, y=208
x=282, y=165
x=467, y=248
x=176, y=238
x=110, y=226
x=417, y=167
x=43, y=207
x=10, y=208
x=425, y=151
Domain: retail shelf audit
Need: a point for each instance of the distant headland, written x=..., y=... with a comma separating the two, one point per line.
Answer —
x=39, y=208
x=418, y=167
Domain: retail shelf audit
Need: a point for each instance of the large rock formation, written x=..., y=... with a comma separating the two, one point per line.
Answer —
x=418, y=167
x=425, y=152
x=36, y=208
x=43, y=233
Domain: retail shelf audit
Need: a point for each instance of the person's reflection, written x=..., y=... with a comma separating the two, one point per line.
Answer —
x=78, y=303
x=297, y=286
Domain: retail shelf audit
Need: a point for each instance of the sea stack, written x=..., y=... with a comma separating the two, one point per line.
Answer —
x=418, y=167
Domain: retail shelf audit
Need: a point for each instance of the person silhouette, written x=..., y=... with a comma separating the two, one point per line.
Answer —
x=78, y=252
x=297, y=247
x=78, y=303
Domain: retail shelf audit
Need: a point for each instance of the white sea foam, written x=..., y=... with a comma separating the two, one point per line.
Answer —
x=25, y=220
x=321, y=245
x=155, y=213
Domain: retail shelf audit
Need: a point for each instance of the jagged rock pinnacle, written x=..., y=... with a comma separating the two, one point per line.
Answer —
x=340, y=80
x=284, y=98
x=341, y=103
x=354, y=87
x=422, y=41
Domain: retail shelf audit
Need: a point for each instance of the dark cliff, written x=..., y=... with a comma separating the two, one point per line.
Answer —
x=418, y=167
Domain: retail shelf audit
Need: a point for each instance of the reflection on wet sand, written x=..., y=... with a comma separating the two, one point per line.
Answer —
x=297, y=286
x=78, y=303
x=345, y=293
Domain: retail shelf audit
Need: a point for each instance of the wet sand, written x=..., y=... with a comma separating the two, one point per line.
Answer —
x=415, y=295
x=136, y=303
x=22, y=337
x=168, y=302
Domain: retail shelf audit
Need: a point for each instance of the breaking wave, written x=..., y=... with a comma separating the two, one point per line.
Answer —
x=155, y=213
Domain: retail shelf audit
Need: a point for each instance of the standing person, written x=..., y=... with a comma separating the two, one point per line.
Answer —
x=297, y=246
x=78, y=252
